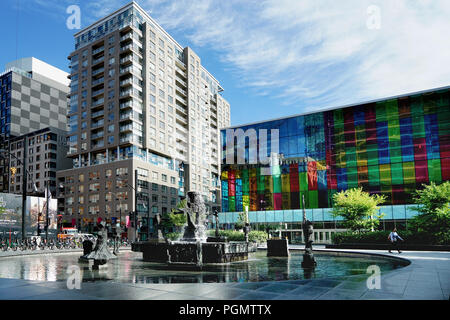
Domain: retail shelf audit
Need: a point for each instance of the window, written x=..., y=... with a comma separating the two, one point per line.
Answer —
x=155, y=175
x=164, y=177
x=121, y=171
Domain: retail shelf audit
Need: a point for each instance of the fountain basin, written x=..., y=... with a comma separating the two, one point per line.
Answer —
x=181, y=252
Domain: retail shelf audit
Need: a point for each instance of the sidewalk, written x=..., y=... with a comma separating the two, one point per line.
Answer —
x=426, y=278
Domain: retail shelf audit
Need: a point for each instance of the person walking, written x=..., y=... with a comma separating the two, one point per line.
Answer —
x=394, y=237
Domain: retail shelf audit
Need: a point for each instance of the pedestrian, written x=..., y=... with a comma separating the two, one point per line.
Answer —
x=394, y=237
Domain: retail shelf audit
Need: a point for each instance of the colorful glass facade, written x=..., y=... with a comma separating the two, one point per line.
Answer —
x=389, y=147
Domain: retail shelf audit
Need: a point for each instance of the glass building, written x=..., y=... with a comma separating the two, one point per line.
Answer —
x=388, y=147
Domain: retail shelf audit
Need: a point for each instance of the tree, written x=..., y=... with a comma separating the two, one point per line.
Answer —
x=240, y=223
x=358, y=208
x=434, y=211
x=172, y=220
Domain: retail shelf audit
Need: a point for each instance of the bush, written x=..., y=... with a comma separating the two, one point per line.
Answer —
x=232, y=235
x=380, y=237
x=257, y=236
x=173, y=235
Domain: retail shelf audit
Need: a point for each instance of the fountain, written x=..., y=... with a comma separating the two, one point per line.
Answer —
x=193, y=249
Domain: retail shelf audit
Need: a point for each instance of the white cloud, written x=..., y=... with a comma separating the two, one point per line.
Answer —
x=320, y=52
x=312, y=53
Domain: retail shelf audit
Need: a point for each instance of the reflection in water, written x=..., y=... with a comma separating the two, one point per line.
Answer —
x=131, y=269
x=309, y=273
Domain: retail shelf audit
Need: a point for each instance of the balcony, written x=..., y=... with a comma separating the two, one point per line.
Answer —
x=181, y=137
x=181, y=109
x=126, y=82
x=181, y=119
x=181, y=81
x=97, y=124
x=180, y=65
x=97, y=92
x=97, y=135
x=126, y=138
x=98, y=71
x=131, y=105
x=127, y=59
x=126, y=128
x=94, y=52
x=96, y=103
x=128, y=36
x=181, y=91
x=181, y=100
x=99, y=144
x=98, y=81
x=181, y=129
x=97, y=114
x=96, y=61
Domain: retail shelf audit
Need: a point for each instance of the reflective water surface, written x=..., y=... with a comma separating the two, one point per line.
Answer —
x=131, y=269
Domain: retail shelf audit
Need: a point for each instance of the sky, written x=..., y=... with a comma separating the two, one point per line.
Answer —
x=274, y=58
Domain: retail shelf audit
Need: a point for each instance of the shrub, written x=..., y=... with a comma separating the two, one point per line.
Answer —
x=173, y=235
x=380, y=237
x=257, y=236
x=232, y=235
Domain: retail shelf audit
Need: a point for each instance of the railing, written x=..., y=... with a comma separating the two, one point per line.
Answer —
x=102, y=48
x=97, y=102
x=95, y=72
x=100, y=80
x=97, y=124
x=102, y=58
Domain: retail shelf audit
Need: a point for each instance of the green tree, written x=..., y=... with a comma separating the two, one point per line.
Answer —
x=171, y=220
x=434, y=211
x=241, y=221
x=358, y=208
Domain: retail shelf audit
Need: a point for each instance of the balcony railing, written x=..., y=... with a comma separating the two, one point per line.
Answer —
x=102, y=48
x=98, y=71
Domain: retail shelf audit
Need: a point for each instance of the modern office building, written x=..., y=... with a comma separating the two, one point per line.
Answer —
x=388, y=147
x=141, y=102
x=33, y=96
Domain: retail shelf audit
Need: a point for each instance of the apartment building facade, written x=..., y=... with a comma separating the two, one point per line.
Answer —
x=33, y=96
x=139, y=102
x=45, y=155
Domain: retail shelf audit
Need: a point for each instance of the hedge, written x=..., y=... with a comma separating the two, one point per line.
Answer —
x=378, y=237
x=232, y=235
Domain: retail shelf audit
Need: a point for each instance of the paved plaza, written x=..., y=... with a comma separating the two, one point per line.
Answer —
x=426, y=278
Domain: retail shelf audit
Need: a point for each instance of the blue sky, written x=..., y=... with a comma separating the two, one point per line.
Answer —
x=274, y=58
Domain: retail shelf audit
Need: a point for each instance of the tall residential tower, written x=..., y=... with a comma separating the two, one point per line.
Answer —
x=139, y=102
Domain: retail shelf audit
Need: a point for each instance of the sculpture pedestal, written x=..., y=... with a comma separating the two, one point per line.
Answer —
x=277, y=248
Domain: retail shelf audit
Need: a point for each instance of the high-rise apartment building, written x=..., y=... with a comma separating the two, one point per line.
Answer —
x=138, y=102
x=33, y=96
